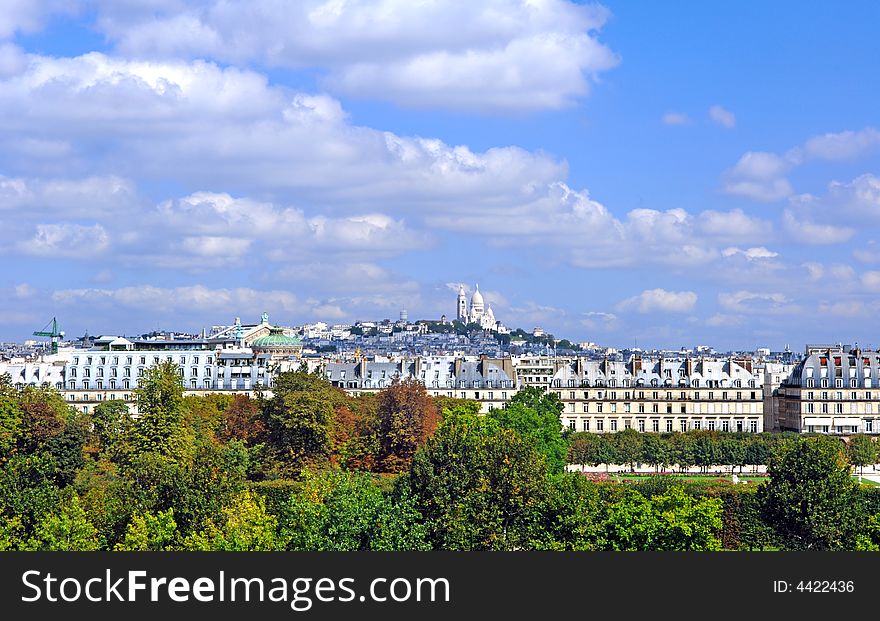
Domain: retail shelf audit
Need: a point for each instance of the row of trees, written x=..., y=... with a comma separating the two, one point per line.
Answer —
x=695, y=448
x=313, y=469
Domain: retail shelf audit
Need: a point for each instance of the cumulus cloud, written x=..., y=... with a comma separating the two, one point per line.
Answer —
x=803, y=230
x=66, y=240
x=660, y=300
x=31, y=15
x=760, y=175
x=754, y=302
x=723, y=117
x=497, y=55
x=751, y=254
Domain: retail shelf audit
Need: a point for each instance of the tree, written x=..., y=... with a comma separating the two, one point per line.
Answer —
x=811, y=499
x=861, y=451
x=299, y=419
x=568, y=515
x=684, y=522
x=407, y=417
x=150, y=532
x=655, y=451
x=629, y=447
x=707, y=451
x=534, y=415
x=66, y=530
x=245, y=526
x=733, y=453
x=110, y=421
x=673, y=520
x=683, y=450
x=10, y=418
x=241, y=421
x=159, y=424
x=478, y=485
x=346, y=511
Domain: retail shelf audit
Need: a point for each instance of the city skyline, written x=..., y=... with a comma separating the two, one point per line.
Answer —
x=615, y=173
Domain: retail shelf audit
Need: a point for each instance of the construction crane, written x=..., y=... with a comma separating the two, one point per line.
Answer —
x=54, y=334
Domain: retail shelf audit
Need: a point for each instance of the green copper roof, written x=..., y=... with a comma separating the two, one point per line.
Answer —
x=275, y=338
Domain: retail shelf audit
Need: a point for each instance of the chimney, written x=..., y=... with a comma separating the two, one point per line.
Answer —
x=636, y=364
x=457, y=368
x=483, y=366
x=418, y=368
x=362, y=367
x=688, y=366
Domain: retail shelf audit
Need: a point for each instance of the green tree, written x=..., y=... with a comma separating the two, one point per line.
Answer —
x=110, y=420
x=159, y=426
x=707, y=451
x=299, y=419
x=569, y=515
x=150, y=532
x=534, y=415
x=478, y=485
x=245, y=526
x=811, y=499
x=861, y=451
x=682, y=445
x=10, y=418
x=629, y=447
x=655, y=451
x=66, y=530
x=346, y=511
x=733, y=453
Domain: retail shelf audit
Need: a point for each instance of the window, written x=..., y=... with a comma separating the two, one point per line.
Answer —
x=586, y=425
x=642, y=426
x=641, y=408
x=613, y=424
x=598, y=407
x=697, y=424
x=669, y=425
x=710, y=425
x=684, y=426
x=725, y=425
x=571, y=424
x=869, y=426
x=600, y=425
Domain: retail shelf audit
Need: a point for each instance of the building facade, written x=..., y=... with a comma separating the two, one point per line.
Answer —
x=833, y=390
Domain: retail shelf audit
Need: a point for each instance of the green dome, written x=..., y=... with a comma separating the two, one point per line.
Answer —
x=275, y=339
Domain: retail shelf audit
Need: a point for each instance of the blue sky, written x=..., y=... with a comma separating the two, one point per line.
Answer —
x=667, y=173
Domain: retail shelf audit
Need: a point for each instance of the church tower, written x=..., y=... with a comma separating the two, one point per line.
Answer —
x=462, y=305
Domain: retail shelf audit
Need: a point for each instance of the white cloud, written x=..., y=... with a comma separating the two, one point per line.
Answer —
x=24, y=291
x=734, y=223
x=660, y=300
x=760, y=175
x=869, y=254
x=66, y=241
x=843, y=145
x=30, y=15
x=723, y=117
x=803, y=230
x=675, y=118
x=751, y=254
x=754, y=302
x=194, y=123
x=497, y=55
x=871, y=281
